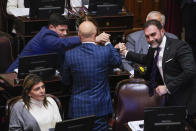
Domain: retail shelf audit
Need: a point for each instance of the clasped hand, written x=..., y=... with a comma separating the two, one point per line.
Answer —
x=103, y=38
x=122, y=47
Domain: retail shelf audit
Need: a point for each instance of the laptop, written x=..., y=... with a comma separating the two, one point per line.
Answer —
x=171, y=118
x=108, y=9
x=77, y=124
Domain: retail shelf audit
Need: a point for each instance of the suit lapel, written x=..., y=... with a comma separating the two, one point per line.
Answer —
x=166, y=52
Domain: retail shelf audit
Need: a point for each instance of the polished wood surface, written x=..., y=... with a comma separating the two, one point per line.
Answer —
x=140, y=8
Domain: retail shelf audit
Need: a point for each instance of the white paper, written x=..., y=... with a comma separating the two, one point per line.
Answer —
x=134, y=125
x=20, y=12
x=76, y=3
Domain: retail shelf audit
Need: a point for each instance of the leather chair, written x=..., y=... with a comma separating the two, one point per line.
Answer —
x=131, y=98
x=6, y=57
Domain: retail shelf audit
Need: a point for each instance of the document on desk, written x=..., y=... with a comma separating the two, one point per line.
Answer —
x=20, y=12
x=136, y=125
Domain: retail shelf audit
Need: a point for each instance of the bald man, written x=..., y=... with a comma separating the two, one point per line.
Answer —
x=86, y=70
x=137, y=43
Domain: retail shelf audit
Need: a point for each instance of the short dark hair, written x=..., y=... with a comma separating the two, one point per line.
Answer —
x=56, y=19
x=153, y=22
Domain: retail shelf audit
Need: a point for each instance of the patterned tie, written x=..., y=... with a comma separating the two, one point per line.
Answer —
x=154, y=73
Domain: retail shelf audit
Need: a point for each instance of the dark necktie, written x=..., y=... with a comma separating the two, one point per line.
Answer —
x=154, y=73
x=26, y=3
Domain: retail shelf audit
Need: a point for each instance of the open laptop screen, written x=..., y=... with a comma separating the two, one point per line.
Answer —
x=164, y=118
x=77, y=124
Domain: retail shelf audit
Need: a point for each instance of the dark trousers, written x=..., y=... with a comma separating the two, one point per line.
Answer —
x=101, y=123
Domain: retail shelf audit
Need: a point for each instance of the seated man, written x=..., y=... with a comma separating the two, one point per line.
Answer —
x=137, y=41
x=52, y=39
x=86, y=70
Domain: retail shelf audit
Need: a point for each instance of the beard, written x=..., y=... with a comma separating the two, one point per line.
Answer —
x=156, y=43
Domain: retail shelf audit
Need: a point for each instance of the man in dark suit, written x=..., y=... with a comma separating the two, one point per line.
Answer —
x=176, y=67
x=136, y=41
x=86, y=69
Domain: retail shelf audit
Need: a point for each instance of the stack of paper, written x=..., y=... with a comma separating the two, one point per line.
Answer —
x=136, y=125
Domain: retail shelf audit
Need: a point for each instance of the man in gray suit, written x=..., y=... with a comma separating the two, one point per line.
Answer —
x=137, y=40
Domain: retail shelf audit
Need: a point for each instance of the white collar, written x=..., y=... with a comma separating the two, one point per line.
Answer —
x=89, y=42
x=36, y=102
x=163, y=43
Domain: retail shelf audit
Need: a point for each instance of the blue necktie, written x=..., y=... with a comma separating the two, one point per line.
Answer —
x=154, y=73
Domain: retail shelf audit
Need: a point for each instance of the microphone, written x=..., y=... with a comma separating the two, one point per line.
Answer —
x=139, y=70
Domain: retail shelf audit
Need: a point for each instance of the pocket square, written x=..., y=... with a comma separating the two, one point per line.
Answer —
x=168, y=60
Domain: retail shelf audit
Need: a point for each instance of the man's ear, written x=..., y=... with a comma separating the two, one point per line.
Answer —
x=162, y=31
x=51, y=27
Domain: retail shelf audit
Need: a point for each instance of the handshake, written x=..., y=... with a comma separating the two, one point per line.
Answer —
x=122, y=48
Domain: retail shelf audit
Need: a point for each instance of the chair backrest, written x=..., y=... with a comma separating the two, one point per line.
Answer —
x=131, y=98
x=9, y=104
x=6, y=57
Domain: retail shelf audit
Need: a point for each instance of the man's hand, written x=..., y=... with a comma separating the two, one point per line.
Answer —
x=122, y=47
x=103, y=38
x=161, y=90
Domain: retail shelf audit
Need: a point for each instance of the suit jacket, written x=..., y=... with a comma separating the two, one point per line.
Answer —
x=46, y=41
x=179, y=70
x=137, y=43
x=21, y=119
x=86, y=69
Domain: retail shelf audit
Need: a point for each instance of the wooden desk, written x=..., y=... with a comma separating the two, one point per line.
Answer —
x=12, y=84
x=10, y=79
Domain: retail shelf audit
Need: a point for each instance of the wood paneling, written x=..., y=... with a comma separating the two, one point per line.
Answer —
x=140, y=8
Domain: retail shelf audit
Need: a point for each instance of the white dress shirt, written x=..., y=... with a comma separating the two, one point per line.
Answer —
x=160, y=58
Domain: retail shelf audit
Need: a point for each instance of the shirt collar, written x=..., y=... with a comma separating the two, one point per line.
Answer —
x=36, y=102
x=89, y=42
x=162, y=45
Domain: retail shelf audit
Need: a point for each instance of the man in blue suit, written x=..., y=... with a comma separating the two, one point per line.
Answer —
x=86, y=70
x=52, y=39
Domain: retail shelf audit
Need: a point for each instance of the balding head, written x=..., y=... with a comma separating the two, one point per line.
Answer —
x=155, y=15
x=87, y=31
